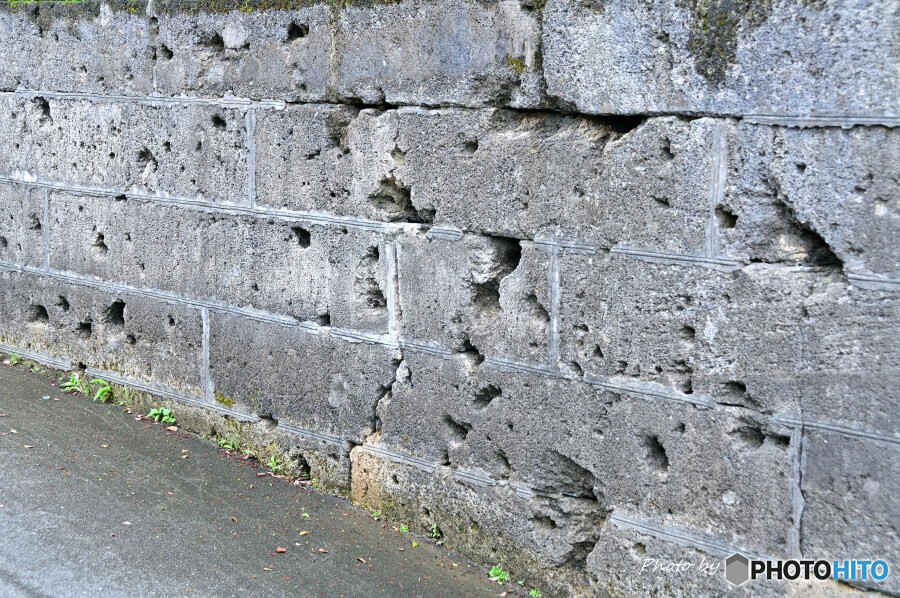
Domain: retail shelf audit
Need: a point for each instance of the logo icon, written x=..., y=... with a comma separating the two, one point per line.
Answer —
x=737, y=569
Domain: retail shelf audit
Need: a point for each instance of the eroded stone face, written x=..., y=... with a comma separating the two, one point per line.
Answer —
x=543, y=275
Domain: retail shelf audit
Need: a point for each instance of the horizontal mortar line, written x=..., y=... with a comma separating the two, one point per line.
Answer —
x=823, y=120
x=711, y=546
x=361, y=336
x=647, y=389
x=169, y=393
x=524, y=367
x=874, y=282
x=474, y=476
x=313, y=435
x=424, y=465
x=51, y=361
x=445, y=233
x=837, y=429
x=714, y=263
x=572, y=246
x=427, y=347
x=206, y=205
x=244, y=312
x=150, y=100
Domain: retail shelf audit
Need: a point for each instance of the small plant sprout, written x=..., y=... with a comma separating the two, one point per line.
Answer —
x=104, y=391
x=74, y=384
x=414, y=543
x=376, y=515
x=230, y=444
x=162, y=415
x=14, y=359
x=498, y=574
x=127, y=397
x=404, y=528
x=535, y=593
x=435, y=531
x=276, y=465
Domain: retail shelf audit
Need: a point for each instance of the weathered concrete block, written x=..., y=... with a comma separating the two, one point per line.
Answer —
x=673, y=56
x=851, y=485
x=540, y=174
x=98, y=47
x=249, y=51
x=813, y=196
x=331, y=275
x=768, y=338
x=186, y=150
x=22, y=225
x=303, y=159
x=123, y=332
x=312, y=381
x=599, y=450
x=485, y=295
x=438, y=53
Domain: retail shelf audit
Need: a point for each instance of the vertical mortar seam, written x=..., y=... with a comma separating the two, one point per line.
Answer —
x=797, y=501
x=204, y=363
x=553, y=340
x=46, y=200
x=392, y=283
x=251, y=157
x=717, y=187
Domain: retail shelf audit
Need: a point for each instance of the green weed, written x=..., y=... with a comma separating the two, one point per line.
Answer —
x=74, y=384
x=104, y=391
x=162, y=415
x=498, y=574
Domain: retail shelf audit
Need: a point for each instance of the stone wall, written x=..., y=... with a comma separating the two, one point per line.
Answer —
x=581, y=282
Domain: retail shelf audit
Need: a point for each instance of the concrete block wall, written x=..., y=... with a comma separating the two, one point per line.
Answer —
x=581, y=283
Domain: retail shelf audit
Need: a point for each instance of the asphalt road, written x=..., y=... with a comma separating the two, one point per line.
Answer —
x=95, y=503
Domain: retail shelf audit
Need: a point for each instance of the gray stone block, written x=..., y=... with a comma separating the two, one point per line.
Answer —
x=22, y=225
x=328, y=274
x=734, y=58
x=485, y=295
x=303, y=159
x=850, y=489
x=438, y=53
x=248, y=51
x=92, y=47
x=312, y=381
x=813, y=196
x=186, y=151
x=122, y=332
x=601, y=449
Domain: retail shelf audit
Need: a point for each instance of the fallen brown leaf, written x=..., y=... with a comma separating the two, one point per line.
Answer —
x=172, y=428
x=169, y=493
x=27, y=446
x=304, y=532
x=279, y=549
x=361, y=560
x=234, y=520
x=260, y=474
x=322, y=550
x=4, y=415
x=105, y=445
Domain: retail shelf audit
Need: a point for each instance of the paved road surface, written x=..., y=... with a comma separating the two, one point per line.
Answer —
x=66, y=500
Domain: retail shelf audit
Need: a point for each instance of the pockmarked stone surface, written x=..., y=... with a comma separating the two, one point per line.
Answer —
x=603, y=291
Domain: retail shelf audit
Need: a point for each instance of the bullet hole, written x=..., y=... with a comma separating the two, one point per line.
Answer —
x=688, y=332
x=391, y=199
x=199, y=146
x=751, y=436
x=171, y=320
x=128, y=236
x=85, y=329
x=576, y=367
x=39, y=314
x=506, y=255
x=314, y=155
x=801, y=168
x=130, y=339
x=459, y=430
x=165, y=52
x=167, y=146
x=509, y=426
x=501, y=456
x=485, y=395
x=115, y=313
x=598, y=352
x=34, y=222
x=296, y=31
x=624, y=124
x=43, y=109
x=680, y=428
x=467, y=349
x=664, y=202
x=726, y=219
x=4, y=243
x=215, y=41
x=667, y=149
x=62, y=303
x=470, y=147
x=144, y=158
x=323, y=319
x=687, y=386
x=302, y=236
x=254, y=286
x=735, y=389
x=656, y=453
x=639, y=549
x=365, y=283
x=112, y=155
x=544, y=522
x=121, y=197
x=100, y=244
x=394, y=478
x=621, y=366
x=218, y=122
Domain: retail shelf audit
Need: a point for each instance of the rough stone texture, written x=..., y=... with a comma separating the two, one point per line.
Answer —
x=186, y=151
x=723, y=57
x=332, y=276
x=538, y=273
x=133, y=335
